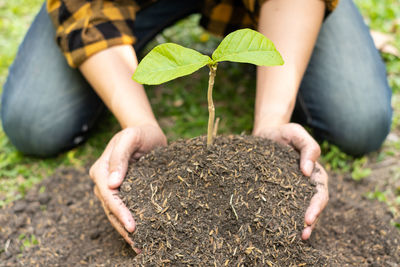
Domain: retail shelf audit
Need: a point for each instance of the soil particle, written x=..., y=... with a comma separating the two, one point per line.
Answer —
x=352, y=231
x=32, y=207
x=19, y=206
x=240, y=202
x=355, y=233
x=44, y=198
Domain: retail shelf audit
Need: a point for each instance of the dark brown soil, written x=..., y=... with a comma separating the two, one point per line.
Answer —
x=240, y=202
x=354, y=230
x=72, y=230
x=68, y=222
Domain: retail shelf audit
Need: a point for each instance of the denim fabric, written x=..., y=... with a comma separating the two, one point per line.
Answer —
x=48, y=107
x=344, y=96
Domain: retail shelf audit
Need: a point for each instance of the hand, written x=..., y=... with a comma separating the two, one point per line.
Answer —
x=109, y=171
x=296, y=136
x=318, y=201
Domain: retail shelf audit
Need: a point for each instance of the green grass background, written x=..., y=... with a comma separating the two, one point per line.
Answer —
x=180, y=105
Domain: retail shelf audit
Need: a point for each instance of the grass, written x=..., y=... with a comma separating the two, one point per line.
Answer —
x=27, y=241
x=336, y=160
x=383, y=15
x=180, y=105
x=15, y=17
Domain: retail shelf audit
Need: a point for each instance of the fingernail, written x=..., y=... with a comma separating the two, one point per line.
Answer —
x=306, y=233
x=136, y=250
x=311, y=220
x=129, y=228
x=308, y=167
x=114, y=178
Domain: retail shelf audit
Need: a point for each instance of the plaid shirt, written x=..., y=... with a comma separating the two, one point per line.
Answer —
x=85, y=27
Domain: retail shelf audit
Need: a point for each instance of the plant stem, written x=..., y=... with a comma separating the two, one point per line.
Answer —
x=215, y=130
x=211, y=108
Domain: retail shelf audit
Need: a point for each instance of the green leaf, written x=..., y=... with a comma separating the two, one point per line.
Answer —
x=248, y=46
x=167, y=62
x=359, y=173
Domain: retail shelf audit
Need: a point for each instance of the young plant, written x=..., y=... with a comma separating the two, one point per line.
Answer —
x=169, y=61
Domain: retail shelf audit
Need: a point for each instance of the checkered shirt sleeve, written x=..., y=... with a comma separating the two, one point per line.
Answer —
x=224, y=16
x=85, y=27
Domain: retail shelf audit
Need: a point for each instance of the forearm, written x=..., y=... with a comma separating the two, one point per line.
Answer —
x=293, y=26
x=109, y=72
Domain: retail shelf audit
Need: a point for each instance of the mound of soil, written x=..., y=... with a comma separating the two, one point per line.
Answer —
x=70, y=228
x=240, y=202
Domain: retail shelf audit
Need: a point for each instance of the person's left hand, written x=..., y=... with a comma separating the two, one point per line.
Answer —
x=296, y=136
x=109, y=170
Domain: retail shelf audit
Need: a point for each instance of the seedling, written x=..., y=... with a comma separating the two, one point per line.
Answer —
x=169, y=61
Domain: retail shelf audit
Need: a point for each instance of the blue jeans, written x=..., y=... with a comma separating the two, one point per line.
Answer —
x=344, y=97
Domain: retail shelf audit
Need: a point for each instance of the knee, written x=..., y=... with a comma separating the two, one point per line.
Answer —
x=27, y=136
x=30, y=132
x=365, y=132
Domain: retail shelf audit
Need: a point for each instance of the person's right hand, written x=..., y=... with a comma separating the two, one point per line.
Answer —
x=109, y=171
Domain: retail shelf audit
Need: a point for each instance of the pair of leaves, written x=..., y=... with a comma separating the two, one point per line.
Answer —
x=169, y=61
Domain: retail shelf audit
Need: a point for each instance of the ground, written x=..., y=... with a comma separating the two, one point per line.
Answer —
x=378, y=173
x=52, y=226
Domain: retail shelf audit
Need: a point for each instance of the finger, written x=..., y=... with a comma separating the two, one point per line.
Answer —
x=121, y=230
x=320, y=199
x=109, y=197
x=138, y=155
x=118, y=208
x=114, y=204
x=308, y=147
x=320, y=177
x=101, y=165
x=307, y=231
x=317, y=205
x=127, y=143
x=116, y=223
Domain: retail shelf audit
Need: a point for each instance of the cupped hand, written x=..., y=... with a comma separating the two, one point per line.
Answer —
x=109, y=171
x=296, y=136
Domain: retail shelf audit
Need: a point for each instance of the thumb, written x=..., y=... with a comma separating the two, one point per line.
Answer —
x=127, y=144
x=308, y=147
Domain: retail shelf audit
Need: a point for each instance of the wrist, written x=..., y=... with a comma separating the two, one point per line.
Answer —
x=149, y=133
x=143, y=122
x=269, y=120
x=275, y=97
